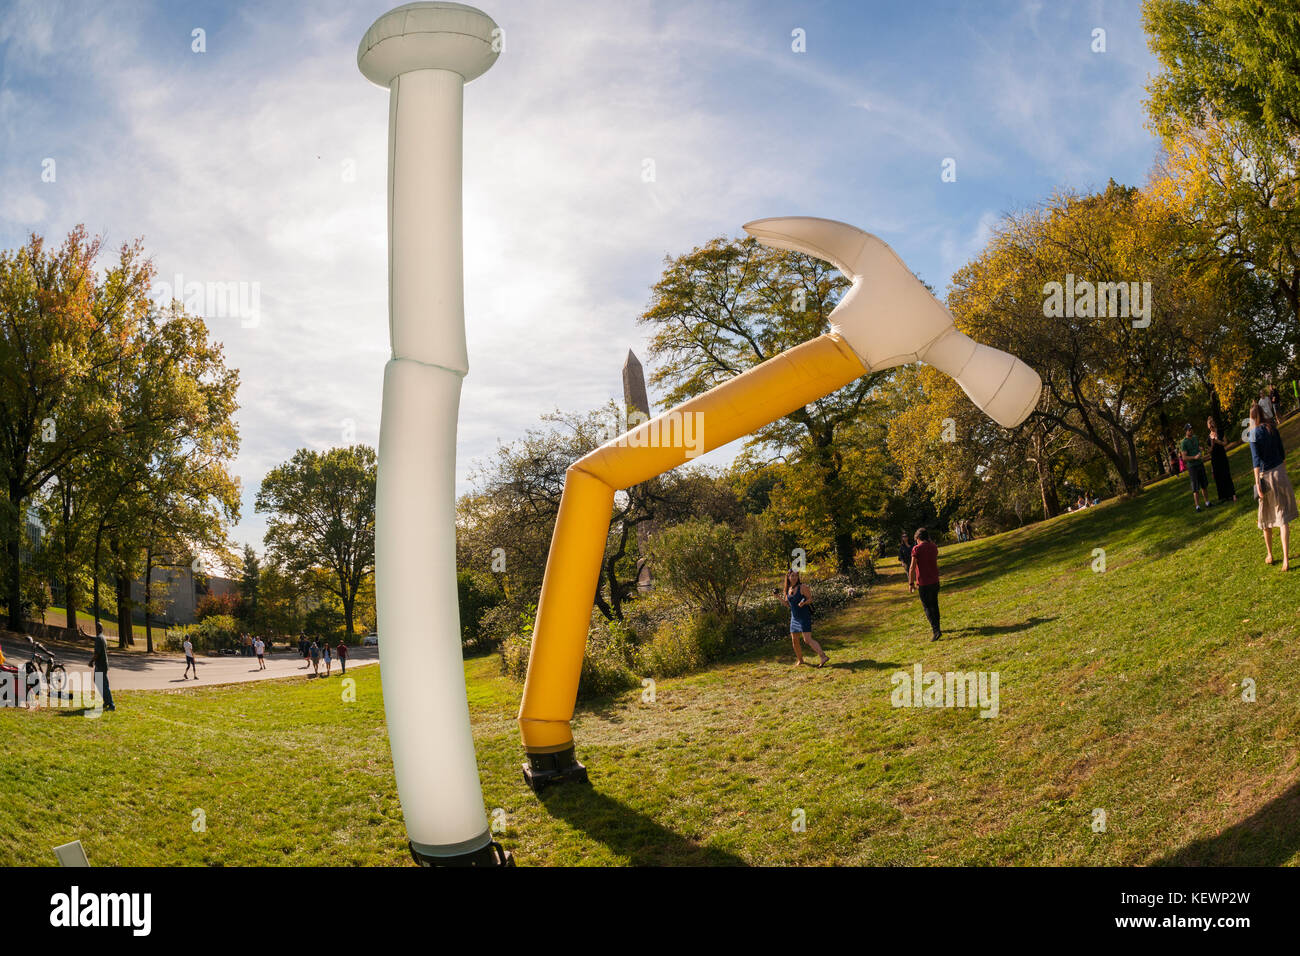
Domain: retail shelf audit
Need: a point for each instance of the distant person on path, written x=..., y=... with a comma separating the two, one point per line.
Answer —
x=924, y=577
x=314, y=651
x=343, y=657
x=326, y=656
x=798, y=598
x=99, y=661
x=189, y=659
x=1277, y=504
x=1219, y=465
x=905, y=554
x=1274, y=399
x=1266, y=405
x=1190, y=450
x=304, y=649
x=259, y=647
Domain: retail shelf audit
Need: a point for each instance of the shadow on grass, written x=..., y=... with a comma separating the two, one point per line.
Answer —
x=989, y=630
x=1268, y=837
x=627, y=832
x=79, y=711
x=863, y=665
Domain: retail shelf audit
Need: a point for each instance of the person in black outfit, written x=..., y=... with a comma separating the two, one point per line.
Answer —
x=99, y=661
x=1219, y=465
x=905, y=555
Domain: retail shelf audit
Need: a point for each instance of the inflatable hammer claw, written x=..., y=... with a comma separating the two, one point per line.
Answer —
x=889, y=318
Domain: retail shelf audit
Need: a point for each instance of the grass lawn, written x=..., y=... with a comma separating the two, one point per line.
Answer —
x=1119, y=691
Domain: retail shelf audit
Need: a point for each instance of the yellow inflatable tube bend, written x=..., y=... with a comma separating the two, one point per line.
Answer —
x=732, y=410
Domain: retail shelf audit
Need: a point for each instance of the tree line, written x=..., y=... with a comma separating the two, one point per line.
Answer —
x=117, y=437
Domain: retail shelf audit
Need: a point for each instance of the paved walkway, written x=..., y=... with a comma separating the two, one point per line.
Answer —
x=135, y=671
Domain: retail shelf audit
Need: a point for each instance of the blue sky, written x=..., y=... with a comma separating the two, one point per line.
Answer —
x=262, y=160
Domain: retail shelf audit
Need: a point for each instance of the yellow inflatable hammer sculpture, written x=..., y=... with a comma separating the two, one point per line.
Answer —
x=886, y=319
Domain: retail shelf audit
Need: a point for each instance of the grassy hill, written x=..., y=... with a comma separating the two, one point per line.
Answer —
x=1119, y=691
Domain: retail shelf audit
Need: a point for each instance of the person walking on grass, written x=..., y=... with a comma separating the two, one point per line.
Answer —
x=905, y=554
x=189, y=659
x=99, y=661
x=797, y=596
x=342, y=650
x=1219, y=466
x=259, y=648
x=1277, y=504
x=1266, y=405
x=924, y=577
x=1189, y=449
x=314, y=651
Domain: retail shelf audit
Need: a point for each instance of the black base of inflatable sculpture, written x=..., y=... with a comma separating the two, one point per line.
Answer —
x=542, y=770
x=492, y=855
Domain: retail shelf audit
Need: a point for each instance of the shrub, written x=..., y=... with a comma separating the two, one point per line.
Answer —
x=226, y=605
x=708, y=565
x=515, y=633
x=476, y=598
x=684, y=644
x=215, y=632
x=606, y=663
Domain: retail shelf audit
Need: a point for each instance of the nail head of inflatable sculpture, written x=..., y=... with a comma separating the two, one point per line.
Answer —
x=429, y=36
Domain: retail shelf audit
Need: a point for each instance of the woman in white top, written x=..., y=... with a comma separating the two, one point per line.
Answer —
x=189, y=660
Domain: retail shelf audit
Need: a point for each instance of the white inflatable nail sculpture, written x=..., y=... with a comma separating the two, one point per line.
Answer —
x=425, y=53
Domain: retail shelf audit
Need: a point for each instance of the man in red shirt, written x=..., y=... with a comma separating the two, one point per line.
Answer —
x=924, y=576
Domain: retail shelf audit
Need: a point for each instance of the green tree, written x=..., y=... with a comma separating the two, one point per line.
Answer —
x=1238, y=60
x=729, y=305
x=1107, y=371
x=322, y=515
x=68, y=332
x=709, y=565
x=250, y=585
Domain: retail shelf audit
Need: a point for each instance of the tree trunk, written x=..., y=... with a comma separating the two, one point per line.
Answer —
x=1131, y=476
x=1047, y=488
x=148, y=577
x=99, y=542
x=1216, y=411
x=69, y=565
x=349, y=605
x=841, y=527
x=14, y=580
x=122, y=586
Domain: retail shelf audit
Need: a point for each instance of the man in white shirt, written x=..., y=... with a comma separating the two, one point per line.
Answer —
x=189, y=660
x=259, y=648
x=1265, y=405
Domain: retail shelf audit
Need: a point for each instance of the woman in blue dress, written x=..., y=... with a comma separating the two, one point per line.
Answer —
x=798, y=598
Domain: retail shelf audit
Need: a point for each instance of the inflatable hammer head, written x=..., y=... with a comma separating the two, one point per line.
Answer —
x=889, y=318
